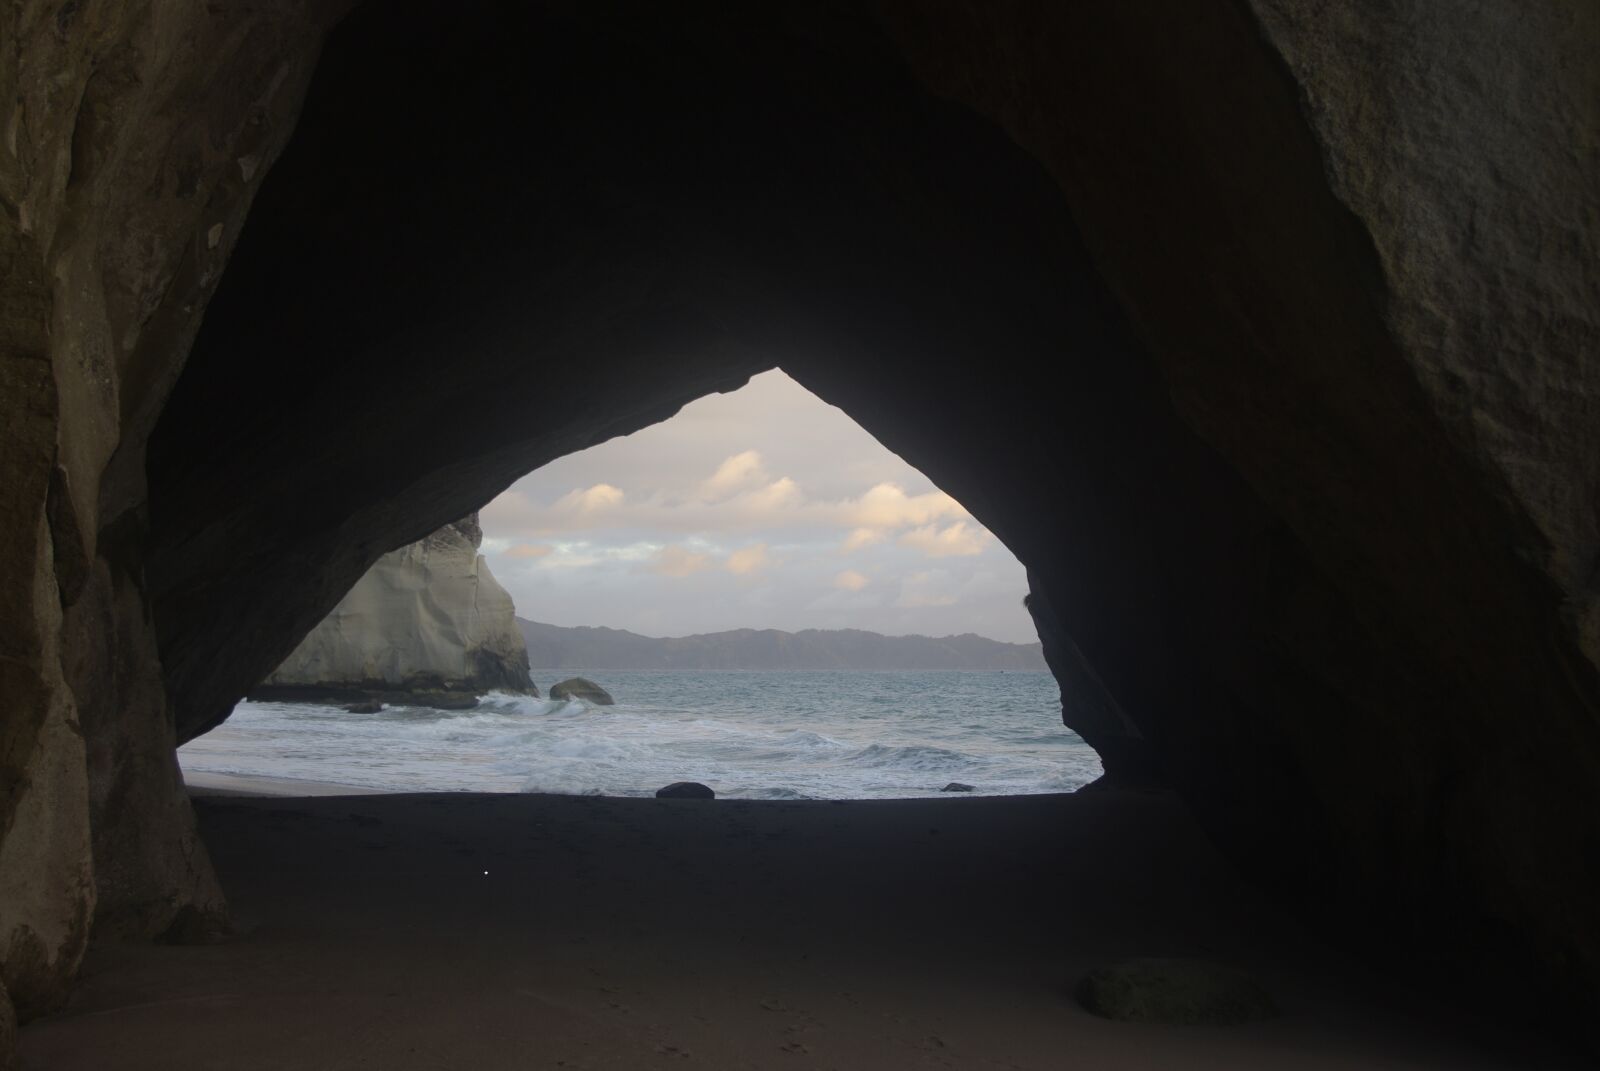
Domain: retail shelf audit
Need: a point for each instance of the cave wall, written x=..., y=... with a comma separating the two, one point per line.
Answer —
x=1360, y=244
x=134, y=138
x=1309, y=520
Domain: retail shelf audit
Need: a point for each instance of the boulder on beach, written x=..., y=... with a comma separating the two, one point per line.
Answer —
x=581, y=688
x=1175, y=991
x=685, y=790
x=956, y=786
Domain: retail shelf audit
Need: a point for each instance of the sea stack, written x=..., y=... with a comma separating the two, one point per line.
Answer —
x=427, y=624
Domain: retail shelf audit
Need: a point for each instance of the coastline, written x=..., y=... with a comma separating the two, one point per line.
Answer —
x=530, y=931
x=201, y=783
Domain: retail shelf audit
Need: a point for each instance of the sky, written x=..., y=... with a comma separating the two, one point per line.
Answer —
x=762, y=508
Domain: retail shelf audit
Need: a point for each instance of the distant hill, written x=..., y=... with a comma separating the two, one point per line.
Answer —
x=556, y=647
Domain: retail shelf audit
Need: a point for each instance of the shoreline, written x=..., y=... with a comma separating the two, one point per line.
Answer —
x=202, y=783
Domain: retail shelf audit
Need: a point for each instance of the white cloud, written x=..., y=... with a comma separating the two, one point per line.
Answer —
x=958, y=540
x=860, y=538
x=529, y=550
x=850, y=580
x=775, y=504
x=581, y=554
x=600, y=497
x=888, y=506
x=747, y=560
x=736, y=473
x=676, y=561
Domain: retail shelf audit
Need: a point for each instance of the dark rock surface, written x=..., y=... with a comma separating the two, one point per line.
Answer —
x=685, y=790
x=581, y=688
x=369, y=706
x=956, y=786
x=1182, y=992
x=1310, y=522
x=8, y=1032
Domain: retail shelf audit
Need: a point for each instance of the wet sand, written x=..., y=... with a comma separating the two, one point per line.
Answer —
x=487, y=932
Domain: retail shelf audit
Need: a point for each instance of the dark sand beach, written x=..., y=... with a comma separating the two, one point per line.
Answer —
x=467, y=931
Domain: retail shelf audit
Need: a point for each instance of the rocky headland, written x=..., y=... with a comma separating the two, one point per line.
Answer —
x=427, y=625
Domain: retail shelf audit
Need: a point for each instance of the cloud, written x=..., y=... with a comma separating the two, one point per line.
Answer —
x=888, y=506
x=734, y=474
x=921, y=590
x=600, y=497
x=850, y=580
x=737, y=497
x=776, y=498
x=747, y=560
x=673, y=560
x=958, y=540
x=861, y=538
x=769, y=464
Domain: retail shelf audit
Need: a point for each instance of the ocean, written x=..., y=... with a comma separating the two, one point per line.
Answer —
x=747, y=735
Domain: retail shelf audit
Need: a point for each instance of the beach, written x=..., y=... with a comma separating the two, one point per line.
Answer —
x=540, y=931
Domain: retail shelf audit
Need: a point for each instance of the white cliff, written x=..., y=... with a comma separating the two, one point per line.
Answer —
x=427, y=617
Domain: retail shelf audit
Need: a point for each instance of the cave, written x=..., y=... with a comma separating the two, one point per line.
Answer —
x=1264, y=336
x=754, y=594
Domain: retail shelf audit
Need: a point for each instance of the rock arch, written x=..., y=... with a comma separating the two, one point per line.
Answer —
x=1184, y=306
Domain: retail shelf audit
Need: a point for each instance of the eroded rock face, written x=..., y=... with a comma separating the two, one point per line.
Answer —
x=429, y=616
x=46, y=883
x=131, y=142
x=1310, y=525
x=8, y=1032
x=1356, y=261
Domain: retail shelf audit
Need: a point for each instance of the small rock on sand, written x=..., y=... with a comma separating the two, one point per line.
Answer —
x=1175, y=991
x=685, y=790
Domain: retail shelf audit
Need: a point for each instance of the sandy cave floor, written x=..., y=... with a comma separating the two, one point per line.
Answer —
x=486, y=932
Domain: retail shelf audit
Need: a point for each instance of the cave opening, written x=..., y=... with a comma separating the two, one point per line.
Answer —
x=835, y=627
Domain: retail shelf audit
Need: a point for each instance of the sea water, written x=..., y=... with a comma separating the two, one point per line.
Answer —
x=747, y=735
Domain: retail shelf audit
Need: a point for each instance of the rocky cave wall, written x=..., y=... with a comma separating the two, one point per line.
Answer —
x=134, y=138
x=1308, y=498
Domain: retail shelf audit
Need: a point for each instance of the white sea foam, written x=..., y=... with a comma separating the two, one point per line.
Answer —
x=748, y=735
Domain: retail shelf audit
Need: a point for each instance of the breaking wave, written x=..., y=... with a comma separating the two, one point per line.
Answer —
x=748, y=735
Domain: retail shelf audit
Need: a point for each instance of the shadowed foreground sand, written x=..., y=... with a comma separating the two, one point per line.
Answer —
x=465, y=931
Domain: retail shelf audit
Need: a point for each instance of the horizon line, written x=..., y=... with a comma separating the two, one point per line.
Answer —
x=792, y=632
